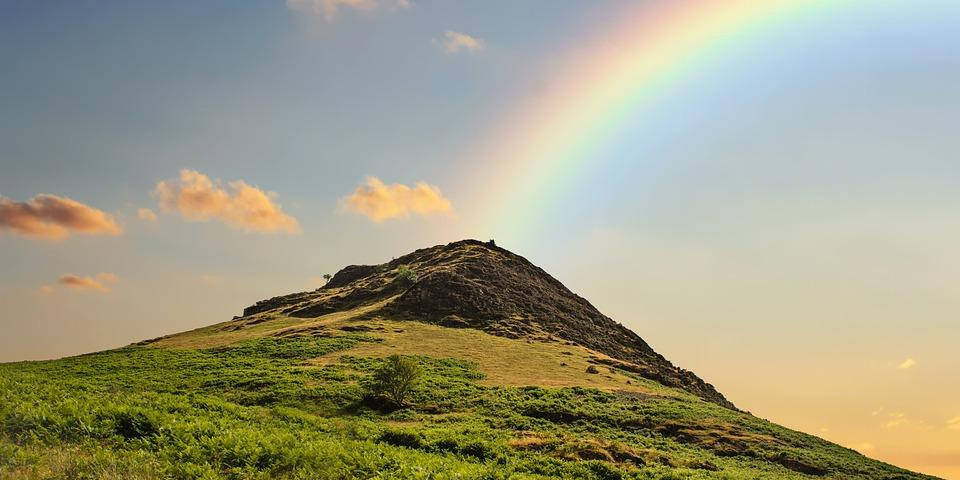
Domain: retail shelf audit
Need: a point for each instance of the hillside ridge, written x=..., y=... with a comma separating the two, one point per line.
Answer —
x=475, y=284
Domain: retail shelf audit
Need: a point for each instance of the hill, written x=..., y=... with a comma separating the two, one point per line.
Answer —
x=522, y=379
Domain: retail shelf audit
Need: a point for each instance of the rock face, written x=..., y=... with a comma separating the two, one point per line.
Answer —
x=472, y=284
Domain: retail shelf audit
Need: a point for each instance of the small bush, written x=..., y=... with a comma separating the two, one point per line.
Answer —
x=134, y=425
x=479, y=450
x=406, y=275
x=395, y=379
x=401, y=438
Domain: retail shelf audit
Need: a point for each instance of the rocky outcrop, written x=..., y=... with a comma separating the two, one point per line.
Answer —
x=473, y=284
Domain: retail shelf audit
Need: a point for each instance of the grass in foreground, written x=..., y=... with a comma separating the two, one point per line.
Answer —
x=266, y=408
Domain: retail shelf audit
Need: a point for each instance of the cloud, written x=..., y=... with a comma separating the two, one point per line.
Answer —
x=899, y=419
x=456, y=42
x=896, y=419
x=328, y=8
x=954, y=423
x=53, y=218
x=108, y=277
x=908, y=363
x=147, y=215
x=88, y=283
x=380, y=202
x=45, y=289
x=198, y=198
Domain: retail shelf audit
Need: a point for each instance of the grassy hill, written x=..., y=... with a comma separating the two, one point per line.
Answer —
x=279, y=394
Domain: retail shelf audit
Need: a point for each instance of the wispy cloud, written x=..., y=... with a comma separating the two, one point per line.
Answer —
x=328, y=9
x=97, y=283
x=954, y=423
x=146, y=214
x=456, y=42
x=896, y=419
x=380, y=202
x=51, y=217
x=196, y=197
x=45, y=290
x=907, y=363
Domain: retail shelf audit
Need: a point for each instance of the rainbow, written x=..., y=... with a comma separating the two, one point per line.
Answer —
x=541, y=150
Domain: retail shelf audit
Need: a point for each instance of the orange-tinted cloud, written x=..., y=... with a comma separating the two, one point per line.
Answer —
x=245, y=207
x=88, y=283
x=146, y=214
x=380, y=202
x=45, y=289
x=53, y=218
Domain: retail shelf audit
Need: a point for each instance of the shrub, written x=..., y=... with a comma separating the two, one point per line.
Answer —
x=134, y=424
x=402, y=438
x=406, y=275
x=395, y=379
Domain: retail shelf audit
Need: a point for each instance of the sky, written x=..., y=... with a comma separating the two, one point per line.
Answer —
x=767, y=195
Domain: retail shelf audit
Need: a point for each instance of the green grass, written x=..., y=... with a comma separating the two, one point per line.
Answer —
x=263, y=408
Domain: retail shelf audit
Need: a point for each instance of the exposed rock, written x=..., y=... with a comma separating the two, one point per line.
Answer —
x=349, y=274
x=472, y=284
x=356, y=328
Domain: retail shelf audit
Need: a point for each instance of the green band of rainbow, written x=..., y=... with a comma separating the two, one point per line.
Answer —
x=543, y=149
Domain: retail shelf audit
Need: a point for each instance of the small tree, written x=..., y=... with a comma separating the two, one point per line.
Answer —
x=327, y=277
x=395, y=379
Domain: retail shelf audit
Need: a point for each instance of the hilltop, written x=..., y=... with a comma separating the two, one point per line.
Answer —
x=473, y=284
x=522, y=379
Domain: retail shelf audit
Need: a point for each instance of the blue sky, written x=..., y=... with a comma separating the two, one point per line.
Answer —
x=793, y=199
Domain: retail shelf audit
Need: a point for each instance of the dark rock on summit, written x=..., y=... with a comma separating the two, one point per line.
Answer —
x=473, y=284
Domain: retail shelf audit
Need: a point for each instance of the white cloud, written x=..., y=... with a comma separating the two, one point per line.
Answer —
x=456, y=42
x=328, y=9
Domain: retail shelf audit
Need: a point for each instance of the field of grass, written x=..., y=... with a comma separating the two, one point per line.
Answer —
x=194, y=407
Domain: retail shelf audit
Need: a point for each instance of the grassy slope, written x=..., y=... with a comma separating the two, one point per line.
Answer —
x=236, y=403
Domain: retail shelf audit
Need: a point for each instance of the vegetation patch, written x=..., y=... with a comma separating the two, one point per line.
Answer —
x=265, y=409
